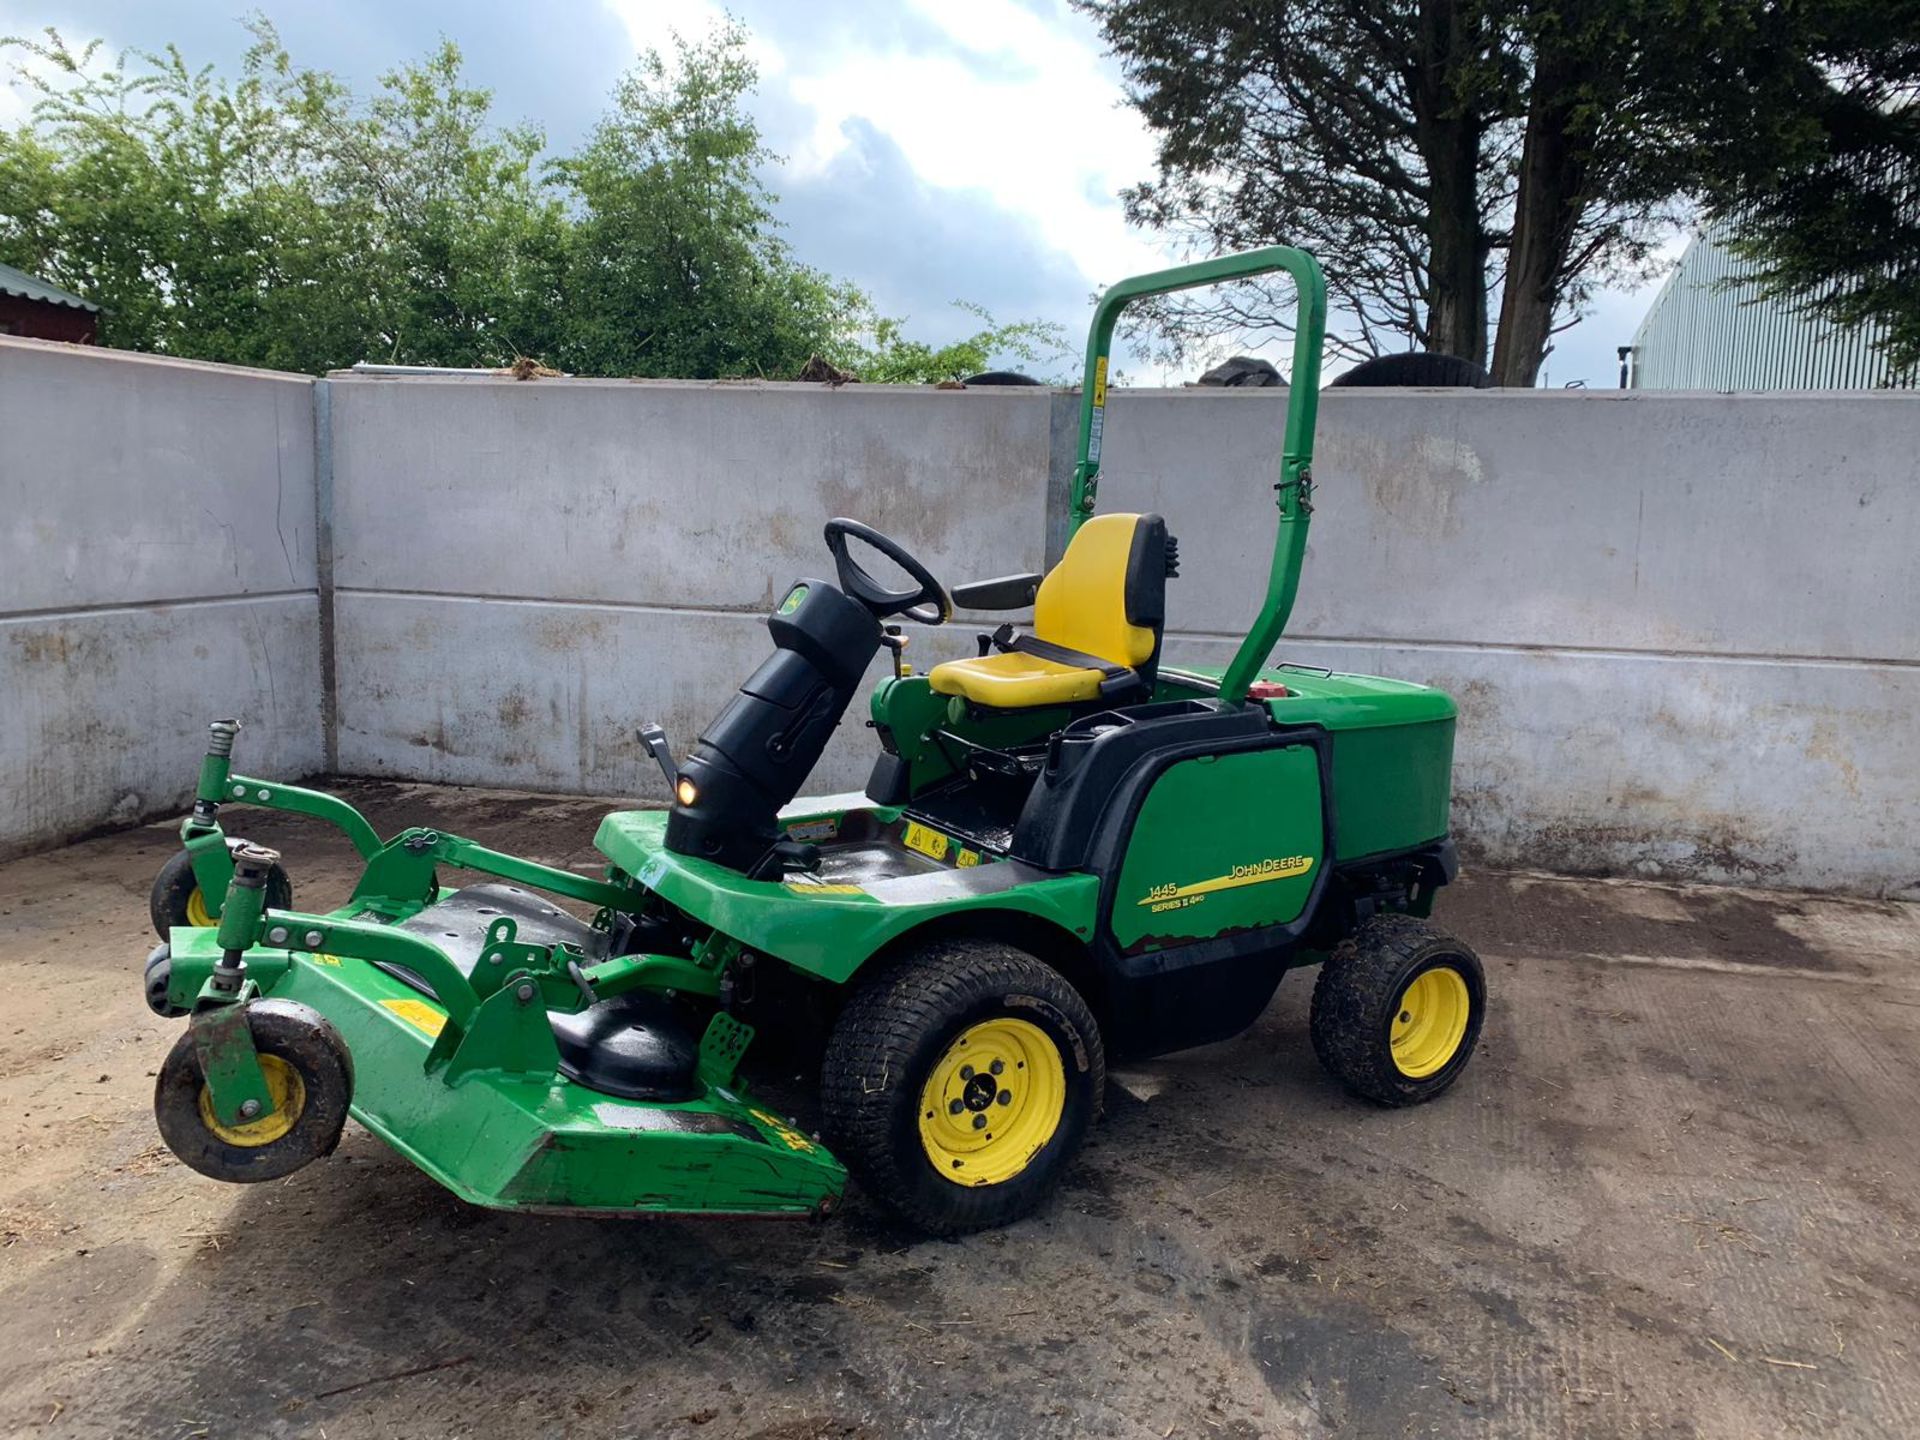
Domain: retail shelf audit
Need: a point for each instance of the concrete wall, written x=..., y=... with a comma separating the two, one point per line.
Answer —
x=156, y=566
x=528, y=572
x=1684, y=631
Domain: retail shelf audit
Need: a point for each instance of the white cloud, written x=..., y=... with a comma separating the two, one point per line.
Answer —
x=652, y=24
x=31, y=22
x=1020, y=107
x=16, y=96
x=1037, y=127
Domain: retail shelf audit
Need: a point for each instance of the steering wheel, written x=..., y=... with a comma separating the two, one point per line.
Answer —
x=929, y=605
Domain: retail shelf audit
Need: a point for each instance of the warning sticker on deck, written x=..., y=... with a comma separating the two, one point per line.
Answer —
x=422, y=1016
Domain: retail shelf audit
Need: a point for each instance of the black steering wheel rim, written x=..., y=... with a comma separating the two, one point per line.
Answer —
x=928, y=605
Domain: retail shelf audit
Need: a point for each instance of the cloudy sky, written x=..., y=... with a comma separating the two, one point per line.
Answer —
x=934, y=151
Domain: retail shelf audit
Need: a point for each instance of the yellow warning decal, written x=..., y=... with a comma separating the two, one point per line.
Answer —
x=966, y=857
x=799, y=887
x=1258, y=873
x=319, y=959
x=1100, y=382
x=791, y=1137
x=422, y=1016
x=930, y=843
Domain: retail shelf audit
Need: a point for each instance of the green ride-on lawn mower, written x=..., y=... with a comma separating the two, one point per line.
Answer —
x=1067, y=851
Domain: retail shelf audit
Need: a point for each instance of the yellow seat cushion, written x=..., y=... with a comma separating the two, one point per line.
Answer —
x=1082, y=603
x=1013, y=681
x=1081, y=606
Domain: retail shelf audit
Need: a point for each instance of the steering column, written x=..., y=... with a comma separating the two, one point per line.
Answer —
x=757, y=753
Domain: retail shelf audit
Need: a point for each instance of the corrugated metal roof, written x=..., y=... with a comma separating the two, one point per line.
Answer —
x=18, y=282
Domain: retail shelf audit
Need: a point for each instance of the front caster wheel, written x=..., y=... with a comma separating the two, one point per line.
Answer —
x=159, y=983
x=309, y=1076
x=1397, y=1009
x=959, y=1085
x=176, y=898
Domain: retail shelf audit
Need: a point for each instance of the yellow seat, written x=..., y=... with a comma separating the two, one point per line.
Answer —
x=1014, y=681
x=1101, y=606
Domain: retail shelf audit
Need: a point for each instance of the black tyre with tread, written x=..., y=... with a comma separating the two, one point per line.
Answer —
x=1358, y=995
x=308, y=1044
x=1418, y=368
x=157, y=981
x=884, y=1047
x=174, y=887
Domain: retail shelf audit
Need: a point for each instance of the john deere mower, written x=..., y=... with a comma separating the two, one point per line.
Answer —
x=1068, y=851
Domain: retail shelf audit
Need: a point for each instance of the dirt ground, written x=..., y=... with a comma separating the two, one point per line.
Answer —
x=1677, y=1192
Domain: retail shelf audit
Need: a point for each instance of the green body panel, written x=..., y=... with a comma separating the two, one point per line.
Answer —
x=822, y=930
x=1392, y=751
x=506, y=1137
x=1392, y=787
x=1222, y=843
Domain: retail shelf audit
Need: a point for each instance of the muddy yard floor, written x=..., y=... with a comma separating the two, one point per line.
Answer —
x=1677, y=1192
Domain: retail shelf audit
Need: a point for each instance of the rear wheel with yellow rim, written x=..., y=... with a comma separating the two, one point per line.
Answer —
x=959, y=1084
x=308, y=1077
x=1397, y=1010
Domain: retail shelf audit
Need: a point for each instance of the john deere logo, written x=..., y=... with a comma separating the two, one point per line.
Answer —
x=1179, y=897
x=792, y=602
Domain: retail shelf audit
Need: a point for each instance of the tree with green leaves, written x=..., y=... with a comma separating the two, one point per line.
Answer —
x=278, y=220
x=1433, y=153
x=1810, y=134
x=676, y=265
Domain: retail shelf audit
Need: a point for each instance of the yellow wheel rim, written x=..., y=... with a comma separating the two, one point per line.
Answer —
x=1430, y=1022
x=289, y=1095
x=992, y=1102
x=197, y=913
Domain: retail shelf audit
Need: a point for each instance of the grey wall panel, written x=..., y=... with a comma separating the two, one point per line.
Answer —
x=704, y=495
x=1742, y=526
x=126, y=479
x=106, y=712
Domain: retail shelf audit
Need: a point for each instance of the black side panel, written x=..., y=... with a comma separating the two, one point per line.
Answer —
x=1149, y=563
x=1147, y=573
x=890, y=781
x=1190, y=1001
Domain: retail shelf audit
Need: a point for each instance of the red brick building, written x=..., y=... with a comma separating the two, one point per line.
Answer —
x=44, y=312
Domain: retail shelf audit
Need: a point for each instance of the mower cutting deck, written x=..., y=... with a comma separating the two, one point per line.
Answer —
x=1066, y=850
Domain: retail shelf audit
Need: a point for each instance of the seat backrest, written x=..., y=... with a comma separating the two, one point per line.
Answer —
x=1108, y=595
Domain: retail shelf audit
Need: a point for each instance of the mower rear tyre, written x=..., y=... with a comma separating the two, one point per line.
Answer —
x=176, y=898
x=309, y=1074
x=959, y=1084
x=1397, y=1010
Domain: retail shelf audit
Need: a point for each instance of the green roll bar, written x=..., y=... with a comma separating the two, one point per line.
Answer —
x=1294, y=489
